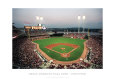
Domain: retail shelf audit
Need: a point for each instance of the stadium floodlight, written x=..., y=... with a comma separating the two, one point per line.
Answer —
x=79, y=17
x=40, y=25
x=83, y=17
x=37, y=17
x=41, y=18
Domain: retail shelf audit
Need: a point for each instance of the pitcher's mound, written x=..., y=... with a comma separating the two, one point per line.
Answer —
x=62, y=48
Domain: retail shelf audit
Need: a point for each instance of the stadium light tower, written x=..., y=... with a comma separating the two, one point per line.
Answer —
x=79, y=18
x=83, y=22
x=84, y=17
x=39, y=18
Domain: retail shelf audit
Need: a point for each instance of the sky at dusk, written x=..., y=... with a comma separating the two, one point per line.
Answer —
x=58, y=17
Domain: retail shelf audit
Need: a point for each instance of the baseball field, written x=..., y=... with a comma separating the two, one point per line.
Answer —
x=61, y=49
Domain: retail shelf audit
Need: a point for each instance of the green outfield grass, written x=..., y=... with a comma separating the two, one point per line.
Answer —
x=73, y=55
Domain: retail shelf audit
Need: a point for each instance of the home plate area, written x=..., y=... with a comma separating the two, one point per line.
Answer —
x=65, y=55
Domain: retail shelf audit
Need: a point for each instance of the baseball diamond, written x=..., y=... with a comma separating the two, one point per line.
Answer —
x=62, y=50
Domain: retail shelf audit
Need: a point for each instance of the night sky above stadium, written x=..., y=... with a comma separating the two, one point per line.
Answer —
x=58, y=17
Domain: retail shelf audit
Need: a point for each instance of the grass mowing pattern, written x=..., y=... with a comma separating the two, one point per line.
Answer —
x=73, y=55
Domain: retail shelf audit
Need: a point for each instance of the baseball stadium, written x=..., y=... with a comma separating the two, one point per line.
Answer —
x=41, y=47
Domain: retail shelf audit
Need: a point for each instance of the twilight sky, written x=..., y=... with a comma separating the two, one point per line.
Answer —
x=58, y=17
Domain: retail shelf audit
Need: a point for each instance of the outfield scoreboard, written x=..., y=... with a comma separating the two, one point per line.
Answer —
x=28, y=29
x=35, y=27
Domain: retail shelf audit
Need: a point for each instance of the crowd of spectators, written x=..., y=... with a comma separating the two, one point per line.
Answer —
x=75, y=35
x=95, y=45
x=79, y=65
x=24, y=55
